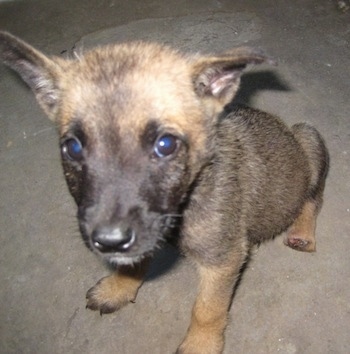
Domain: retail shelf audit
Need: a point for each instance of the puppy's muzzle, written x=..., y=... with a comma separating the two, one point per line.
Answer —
x=112, y=239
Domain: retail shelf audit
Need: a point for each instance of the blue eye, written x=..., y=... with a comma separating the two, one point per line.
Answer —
x=72, y=149
x=166, y=145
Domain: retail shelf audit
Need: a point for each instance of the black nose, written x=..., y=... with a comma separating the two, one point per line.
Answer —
x=109, y=239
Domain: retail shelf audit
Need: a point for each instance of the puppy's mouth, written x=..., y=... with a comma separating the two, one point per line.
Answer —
x=125, y=245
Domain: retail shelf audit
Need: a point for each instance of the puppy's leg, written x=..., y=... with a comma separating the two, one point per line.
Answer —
x=301, y=235
x=117, y=290
x=210, y=312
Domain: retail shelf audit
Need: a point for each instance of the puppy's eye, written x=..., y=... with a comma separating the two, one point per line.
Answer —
x=166, y=145
x=72, y=149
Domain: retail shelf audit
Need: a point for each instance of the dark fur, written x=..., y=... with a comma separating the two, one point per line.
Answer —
x=234, y=177
x=261, y=172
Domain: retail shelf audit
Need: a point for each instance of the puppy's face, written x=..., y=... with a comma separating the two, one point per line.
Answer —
x=135, y=123
x=132, y=141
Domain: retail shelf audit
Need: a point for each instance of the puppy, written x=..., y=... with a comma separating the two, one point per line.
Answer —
x=149, y=142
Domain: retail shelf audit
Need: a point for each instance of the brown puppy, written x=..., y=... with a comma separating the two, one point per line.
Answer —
x=147, y=145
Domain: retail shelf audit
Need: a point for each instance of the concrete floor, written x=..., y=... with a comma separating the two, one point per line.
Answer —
x=288, y=302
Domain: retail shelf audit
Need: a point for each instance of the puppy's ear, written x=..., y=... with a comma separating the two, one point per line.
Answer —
x=37, y=70
x=217, y=78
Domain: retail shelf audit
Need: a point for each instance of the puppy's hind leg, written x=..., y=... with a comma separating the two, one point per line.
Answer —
x=117, y=290
x=301, y=235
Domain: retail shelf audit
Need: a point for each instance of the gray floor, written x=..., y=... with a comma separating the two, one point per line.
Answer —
x=288, y=302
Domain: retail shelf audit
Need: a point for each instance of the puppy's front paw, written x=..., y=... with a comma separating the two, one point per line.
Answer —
x=202, y=343
x=111, y=293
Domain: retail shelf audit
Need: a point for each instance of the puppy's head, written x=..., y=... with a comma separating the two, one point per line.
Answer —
x=135, y=123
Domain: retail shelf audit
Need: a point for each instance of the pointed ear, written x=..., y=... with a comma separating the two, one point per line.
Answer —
x=37, y=70
x=218, y=77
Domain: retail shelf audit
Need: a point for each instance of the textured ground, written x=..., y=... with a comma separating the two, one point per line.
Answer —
x=288, y=302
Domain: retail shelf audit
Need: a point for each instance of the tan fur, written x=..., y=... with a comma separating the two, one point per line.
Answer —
x=209, y=315
x=117, y=290
x=301, y=235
